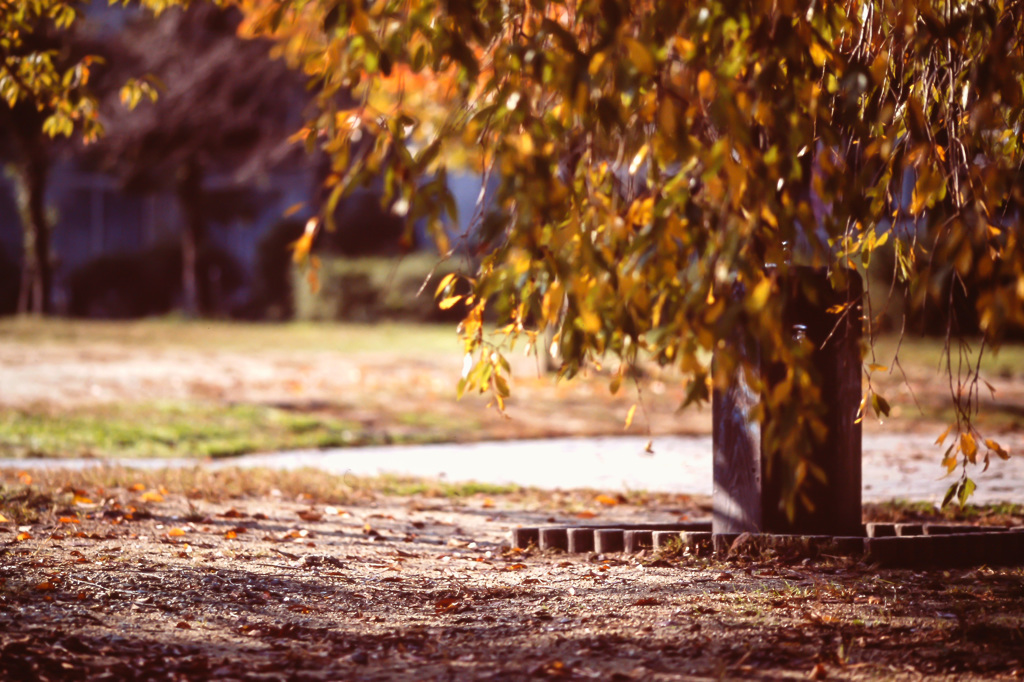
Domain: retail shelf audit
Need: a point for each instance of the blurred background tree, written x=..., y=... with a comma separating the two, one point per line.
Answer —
x=220, y=105
x=44, y=88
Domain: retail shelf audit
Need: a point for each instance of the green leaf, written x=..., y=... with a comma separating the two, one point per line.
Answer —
x=880, y=404
x=966, y=490
x=501, y=386
x=950, y=492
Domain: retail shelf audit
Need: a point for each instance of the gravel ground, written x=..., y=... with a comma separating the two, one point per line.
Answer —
x=138, y=584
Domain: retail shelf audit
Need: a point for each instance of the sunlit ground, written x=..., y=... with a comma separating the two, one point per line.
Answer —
x=171, y=387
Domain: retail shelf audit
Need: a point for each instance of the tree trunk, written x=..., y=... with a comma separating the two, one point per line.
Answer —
x=193, y=237
x=36, y=295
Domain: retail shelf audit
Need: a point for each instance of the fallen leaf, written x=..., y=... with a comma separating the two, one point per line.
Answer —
x=446, y=605
x=152, y=496
x=137, y=488
x=24, y=477
x=310, y=515
x=176, y=532
x=4, y=519
x=81, y=499
x=606, y=500
x=230, y=535
x=183, y=625
x=647, y=601
x=586, y=514
x=515, y=567
x=24, y=535
x=45, y=586
x=232, y=514
x=67, y=519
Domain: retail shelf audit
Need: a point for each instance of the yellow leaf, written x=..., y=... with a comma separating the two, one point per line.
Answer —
x=304, y=244
x=175, y=532
x=152, y=496
x=759, y=297
x=4, y=519
x=997, y=448
x=606, y=500
x=682, y=45
x=79, y=499
x=942, y=439
x=706, y=85
x=360, y=19
x=877, y=368
x=818, y=54
x=641, y=57
x=969, y=447
x=445, y=281
x=630, y=415
x=447, y=303
x=634, y=165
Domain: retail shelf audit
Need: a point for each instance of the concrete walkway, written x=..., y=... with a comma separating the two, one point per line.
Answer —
x=895, y=466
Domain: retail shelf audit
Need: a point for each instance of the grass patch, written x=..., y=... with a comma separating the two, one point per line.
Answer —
x=171, y=430
x=927, y=354
x=166, y=332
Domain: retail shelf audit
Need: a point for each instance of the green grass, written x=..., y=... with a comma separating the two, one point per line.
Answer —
x=200, y=430
x=170, y=430
x=173, y=332
x=928, y=354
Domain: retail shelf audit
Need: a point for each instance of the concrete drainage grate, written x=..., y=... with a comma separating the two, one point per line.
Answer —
x=892, y=545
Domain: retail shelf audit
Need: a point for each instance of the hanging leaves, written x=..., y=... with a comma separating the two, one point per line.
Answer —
x=646, y=163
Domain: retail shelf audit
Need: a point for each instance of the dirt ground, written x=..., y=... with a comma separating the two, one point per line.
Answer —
x=139, y=583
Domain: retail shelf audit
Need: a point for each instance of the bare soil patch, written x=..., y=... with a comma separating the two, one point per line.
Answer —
x=137, y=582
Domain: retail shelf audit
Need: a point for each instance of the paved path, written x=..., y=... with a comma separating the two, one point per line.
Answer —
x=895, y=465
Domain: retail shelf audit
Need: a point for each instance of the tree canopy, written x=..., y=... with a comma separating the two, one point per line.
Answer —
x=653, y=159
x=659, y=166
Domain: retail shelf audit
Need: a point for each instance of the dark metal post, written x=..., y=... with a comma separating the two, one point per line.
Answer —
x=747, y=492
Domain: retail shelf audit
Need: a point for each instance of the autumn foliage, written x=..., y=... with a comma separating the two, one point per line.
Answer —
x=654, y=168
x=659, y=166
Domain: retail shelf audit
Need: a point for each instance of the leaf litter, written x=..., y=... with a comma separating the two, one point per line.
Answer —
x=422, y=588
